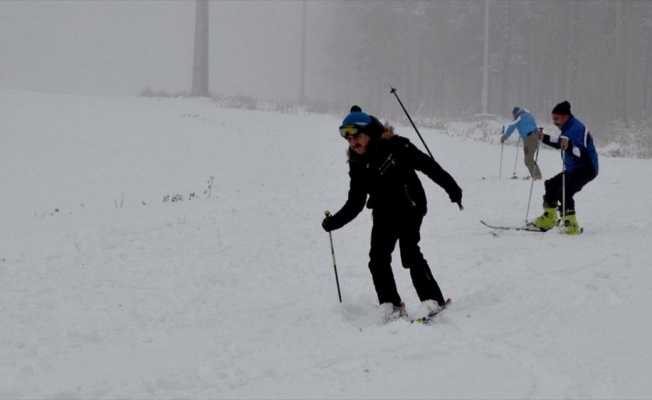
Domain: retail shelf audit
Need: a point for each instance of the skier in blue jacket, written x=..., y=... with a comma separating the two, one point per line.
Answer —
x=581, y=167
x=526, y=125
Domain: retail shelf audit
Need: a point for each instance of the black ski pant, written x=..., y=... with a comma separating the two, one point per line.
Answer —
x=388, y=228
x=575, y=181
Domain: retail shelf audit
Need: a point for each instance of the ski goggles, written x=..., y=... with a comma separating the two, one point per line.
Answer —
x=350, y=130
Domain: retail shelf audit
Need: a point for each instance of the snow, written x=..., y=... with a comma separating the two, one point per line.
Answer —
x=107, y=291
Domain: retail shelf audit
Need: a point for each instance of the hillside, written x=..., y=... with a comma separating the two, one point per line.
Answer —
x=107, y=291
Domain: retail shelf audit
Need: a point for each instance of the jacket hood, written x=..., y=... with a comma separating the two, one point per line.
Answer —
x=519, y=110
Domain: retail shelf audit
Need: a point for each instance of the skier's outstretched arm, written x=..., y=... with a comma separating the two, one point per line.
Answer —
x=426, y=164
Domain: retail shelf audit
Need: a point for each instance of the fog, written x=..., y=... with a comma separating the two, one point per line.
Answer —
x=596, y=54
x=116, y=48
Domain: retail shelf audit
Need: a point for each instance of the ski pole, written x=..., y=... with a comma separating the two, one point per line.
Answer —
x=516, y=159
x=536, y=166
x=393, y=91
x=412, y=122
x=502, y=146
x=563, y=184
x=337, y=281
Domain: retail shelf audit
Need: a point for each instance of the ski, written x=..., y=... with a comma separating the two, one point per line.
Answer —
x=430, y=318
x=528, y=228
x=515, y=228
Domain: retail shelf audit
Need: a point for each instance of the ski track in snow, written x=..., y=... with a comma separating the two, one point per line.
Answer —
x=234, y=296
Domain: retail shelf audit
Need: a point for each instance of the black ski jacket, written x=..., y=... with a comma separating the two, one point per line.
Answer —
x=387, y=174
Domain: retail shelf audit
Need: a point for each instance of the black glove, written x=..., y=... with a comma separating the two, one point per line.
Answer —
x=455, y=195
x=327, y=224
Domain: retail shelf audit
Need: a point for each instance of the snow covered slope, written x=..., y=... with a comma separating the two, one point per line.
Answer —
x=107, y=291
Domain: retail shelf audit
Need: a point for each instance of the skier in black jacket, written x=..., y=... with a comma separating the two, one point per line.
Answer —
x=383, y=166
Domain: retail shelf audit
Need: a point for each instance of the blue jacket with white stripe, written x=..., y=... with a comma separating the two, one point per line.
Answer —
x=581, y=151
x=524, y=123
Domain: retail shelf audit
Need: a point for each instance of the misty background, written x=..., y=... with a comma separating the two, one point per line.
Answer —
x=596, y=54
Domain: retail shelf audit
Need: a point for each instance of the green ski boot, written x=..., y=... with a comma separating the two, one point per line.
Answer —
x=569, y=225
x=547, y=220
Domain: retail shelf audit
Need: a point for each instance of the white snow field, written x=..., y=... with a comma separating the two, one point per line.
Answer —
x=108, y=292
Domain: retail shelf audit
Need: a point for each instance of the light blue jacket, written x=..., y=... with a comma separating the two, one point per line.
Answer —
x=524, y=123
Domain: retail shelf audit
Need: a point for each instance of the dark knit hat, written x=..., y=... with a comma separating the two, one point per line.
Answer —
x=563, y=108
x=515, y=111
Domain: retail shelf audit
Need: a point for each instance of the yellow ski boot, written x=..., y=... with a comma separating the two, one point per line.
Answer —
x=569, y=225
x=547, y=220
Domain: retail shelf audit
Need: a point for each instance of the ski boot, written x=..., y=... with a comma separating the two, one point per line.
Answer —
x=427, y=309
x=393, y=313
x=547, y=220
x=568, y=224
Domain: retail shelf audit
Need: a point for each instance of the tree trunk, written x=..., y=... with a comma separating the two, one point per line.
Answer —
x=574, y=48
x=528, y=88
x=548, y=75
x=561, y=93
x=441, y=59
x=485, y=67
x=302, y=82
x=507, y=61
x=422, y=83
x=646, y=76
x=200, y=59
x=621, y=63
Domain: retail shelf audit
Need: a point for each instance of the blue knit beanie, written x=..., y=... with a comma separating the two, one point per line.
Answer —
x=368, y=123
x=357, y=118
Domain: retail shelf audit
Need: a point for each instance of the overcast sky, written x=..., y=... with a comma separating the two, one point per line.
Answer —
x=118, y=47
